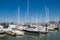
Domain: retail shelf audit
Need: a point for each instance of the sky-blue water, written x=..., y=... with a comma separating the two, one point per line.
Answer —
x=8, y=9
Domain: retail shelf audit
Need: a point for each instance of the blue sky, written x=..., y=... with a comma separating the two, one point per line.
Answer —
x=8, y=9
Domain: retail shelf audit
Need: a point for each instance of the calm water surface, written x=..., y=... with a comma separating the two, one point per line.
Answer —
x=49, y=36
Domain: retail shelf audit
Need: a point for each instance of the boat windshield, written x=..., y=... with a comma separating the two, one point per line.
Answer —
x=5, y=26
x=13, y=28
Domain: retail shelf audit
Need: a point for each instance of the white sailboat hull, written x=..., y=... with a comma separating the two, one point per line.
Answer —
x=17, y=32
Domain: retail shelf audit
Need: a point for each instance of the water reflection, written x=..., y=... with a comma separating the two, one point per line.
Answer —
x=3, y=37
x=28, y=36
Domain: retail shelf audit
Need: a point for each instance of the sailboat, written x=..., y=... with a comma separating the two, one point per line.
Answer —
x=56, y=24
x=43, y=27
x=13, y=27
x=50, y=26
x=30, y=28
x=18, y=32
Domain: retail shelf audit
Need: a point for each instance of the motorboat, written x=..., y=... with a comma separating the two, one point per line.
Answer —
x=14, y=30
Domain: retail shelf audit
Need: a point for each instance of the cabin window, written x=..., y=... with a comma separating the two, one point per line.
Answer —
x=5, y=26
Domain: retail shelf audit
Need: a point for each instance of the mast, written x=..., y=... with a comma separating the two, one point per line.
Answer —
x=40, y=19
x=47, y=17
x=32, y=19
x=28, y=11
x=47, y=14
x=18, y=16
x=36, y=18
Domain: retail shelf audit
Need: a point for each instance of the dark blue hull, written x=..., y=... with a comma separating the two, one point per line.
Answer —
x=56, y=28
x=35, y=32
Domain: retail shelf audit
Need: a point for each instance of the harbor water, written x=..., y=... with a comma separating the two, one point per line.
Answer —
x=55, y=35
